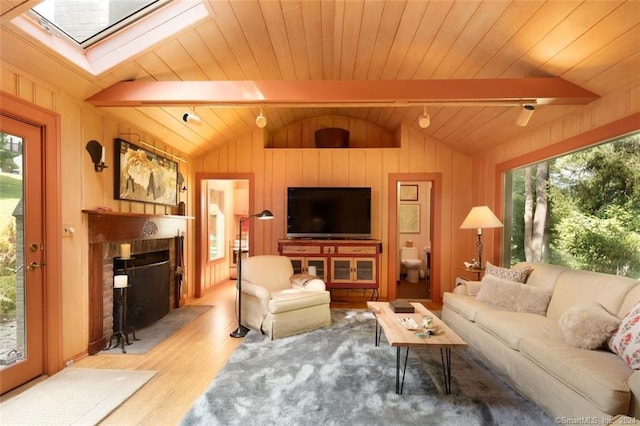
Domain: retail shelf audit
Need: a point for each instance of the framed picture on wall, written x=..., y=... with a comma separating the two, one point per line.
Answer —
x=144, y=176
x=408, y=192
x=409, y=218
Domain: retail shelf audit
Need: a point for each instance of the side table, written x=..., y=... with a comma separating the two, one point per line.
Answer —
x=477, y=272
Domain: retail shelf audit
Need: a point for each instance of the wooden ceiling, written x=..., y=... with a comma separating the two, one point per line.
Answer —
x=592, y=44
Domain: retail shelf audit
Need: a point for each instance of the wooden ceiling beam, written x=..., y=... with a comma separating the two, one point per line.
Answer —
x=356, y=93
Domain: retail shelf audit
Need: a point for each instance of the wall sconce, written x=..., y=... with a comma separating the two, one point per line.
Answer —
x=96, y=151
x=526, y=111
x=261, y=120
x=181, y=186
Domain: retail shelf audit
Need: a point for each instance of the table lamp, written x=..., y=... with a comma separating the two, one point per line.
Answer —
x=480, y=217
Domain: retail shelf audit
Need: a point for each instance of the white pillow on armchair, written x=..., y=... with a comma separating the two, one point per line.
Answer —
x=307, y=282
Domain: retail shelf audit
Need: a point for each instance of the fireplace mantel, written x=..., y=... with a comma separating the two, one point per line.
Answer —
x=108, y=226
x=112, y=227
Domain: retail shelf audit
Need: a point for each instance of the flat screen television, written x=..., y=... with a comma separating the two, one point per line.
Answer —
x=328, y=212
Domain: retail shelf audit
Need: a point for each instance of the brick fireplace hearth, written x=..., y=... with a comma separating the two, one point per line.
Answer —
x=145, y=233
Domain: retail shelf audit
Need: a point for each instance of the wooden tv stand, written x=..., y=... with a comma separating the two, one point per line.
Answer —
x=342, y=264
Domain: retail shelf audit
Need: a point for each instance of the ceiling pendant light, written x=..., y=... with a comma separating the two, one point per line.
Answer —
x=425, y=119
x=526, y=111
x=261, y=120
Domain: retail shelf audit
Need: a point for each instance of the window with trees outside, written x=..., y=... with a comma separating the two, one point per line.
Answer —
x=581, y=210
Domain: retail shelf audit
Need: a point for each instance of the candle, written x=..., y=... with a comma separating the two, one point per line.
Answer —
x=120, y=281
x=102, y=156
x=125, y=251
x=312, y=270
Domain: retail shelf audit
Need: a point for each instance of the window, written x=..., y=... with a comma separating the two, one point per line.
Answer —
x=581, y=210
x=216, y=224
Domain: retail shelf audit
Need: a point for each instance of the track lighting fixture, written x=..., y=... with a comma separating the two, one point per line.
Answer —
x=261, y=120
x=425, y=119
x=191, y=116
x=526, y=111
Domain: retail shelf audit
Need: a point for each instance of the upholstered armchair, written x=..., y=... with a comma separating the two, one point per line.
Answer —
x=275, y=306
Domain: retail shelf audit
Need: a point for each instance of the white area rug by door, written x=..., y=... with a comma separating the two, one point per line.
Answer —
x=74, y=396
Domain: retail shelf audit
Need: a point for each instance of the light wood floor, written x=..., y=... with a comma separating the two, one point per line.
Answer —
x=412, y=291
x=186, y=363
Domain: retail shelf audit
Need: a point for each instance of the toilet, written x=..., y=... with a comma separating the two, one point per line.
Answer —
x=409, y=259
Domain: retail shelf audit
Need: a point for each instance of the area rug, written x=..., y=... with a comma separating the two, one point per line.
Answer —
x=337, y=376
x=154, y=334
x=74, y=396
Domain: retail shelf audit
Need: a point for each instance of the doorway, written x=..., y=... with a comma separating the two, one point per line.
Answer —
x=21, y=257
x=38, y=242
x=414, y=221
x=223, y=199
x=414, y=240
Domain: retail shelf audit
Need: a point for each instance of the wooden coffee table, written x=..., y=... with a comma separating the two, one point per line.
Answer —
x=399, y=336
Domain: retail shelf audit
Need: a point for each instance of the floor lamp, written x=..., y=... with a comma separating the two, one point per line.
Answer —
x=478, y=218
x=242, y=331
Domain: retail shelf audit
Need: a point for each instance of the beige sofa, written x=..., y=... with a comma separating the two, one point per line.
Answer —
x=530, y=352
x=277, y=306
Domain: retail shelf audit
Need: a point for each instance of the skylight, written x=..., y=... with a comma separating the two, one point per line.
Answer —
x=97, y=35
x=89, y=21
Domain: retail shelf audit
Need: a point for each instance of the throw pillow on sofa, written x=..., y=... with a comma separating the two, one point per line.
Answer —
x=588, y=325
x=626, y=340
x=513, y=295
x=514, y=274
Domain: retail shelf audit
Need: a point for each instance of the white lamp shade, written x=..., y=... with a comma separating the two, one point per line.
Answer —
x=481, y=217
x=425, y=119
x=261, y=120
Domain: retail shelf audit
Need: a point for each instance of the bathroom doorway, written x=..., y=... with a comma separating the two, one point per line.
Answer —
x=413, y=236
x=414, y=240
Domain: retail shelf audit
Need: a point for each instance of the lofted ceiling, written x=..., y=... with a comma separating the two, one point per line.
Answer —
x=594, y=45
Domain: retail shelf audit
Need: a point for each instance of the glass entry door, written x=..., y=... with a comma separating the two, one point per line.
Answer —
x=21, y=254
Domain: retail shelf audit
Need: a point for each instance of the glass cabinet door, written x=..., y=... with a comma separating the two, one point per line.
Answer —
x=320, y=265
x=365, y=270
x=298, y=264
x=341, y=270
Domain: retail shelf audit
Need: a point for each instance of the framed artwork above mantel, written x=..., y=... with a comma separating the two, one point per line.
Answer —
x=144, y=176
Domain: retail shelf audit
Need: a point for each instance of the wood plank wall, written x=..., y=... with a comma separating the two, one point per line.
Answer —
x=362, y=133
x=83, y=188
x=277, y=169
x=465, y=181
x=610, y=116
